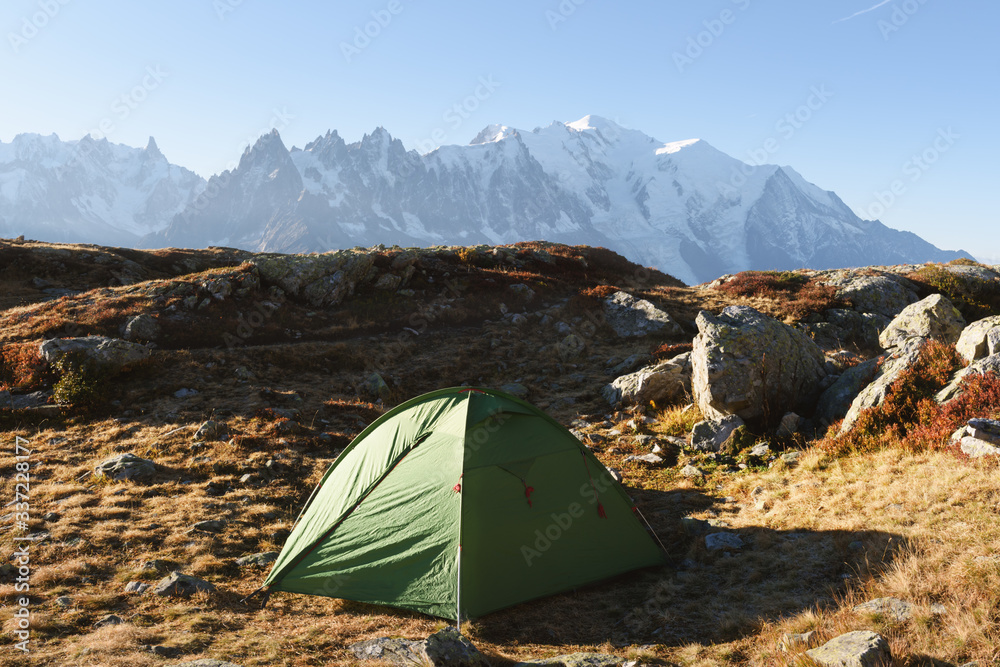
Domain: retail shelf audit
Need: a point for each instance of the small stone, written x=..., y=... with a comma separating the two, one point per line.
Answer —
x=691, y=472
x=185, y=393
x=210, y=430
x=516, y=390
x=694, y=527
x=794, y=642
x=891, y=608
x=717, y=541
x=261, y=559
x=136, y=587
x=791, y=458
x=64, y=601
x=125, y=467
x=938, y=609
x=761, y=451
x=181, y=585
x=50, y=517
x=650, y=459
x=110, y=619
x=210, y=526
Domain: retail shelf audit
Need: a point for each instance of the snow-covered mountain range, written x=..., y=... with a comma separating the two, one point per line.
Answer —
x=683, y=207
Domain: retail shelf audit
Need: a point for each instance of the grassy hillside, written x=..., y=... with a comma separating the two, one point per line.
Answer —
x=289, y=384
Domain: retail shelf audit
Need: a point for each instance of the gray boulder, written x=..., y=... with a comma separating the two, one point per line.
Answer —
x=262, y=559
x=934, y=317
x=631, y=317
x=125, y=468
x=974, y=343
x=320, y=280
x=142, y=328
x=985, y=429
x=835, y=402
x=664, y=383
x=177, y=584
x=374, y=387
x=744, y=361
x=854, y=649
x=578, y=660
x=890, y=370
x=976, y=448
x=110, y=353
x=709, y=435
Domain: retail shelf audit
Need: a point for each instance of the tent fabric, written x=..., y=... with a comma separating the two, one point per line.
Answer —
x=462, y=501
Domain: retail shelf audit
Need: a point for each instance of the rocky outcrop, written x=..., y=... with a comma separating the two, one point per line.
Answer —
x=109, y=353
x=320, y=280
x=854, y=649
x=662, y=383
x=979, y=339
x=631, y=317
x=747, y=364
x=934, y=317
x=890, y=608
x=882, y=294
x=578, y=660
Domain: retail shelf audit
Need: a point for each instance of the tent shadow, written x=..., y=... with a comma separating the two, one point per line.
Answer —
x=702, y=595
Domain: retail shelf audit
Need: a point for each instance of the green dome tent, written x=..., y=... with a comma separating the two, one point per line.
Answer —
x=458, y=503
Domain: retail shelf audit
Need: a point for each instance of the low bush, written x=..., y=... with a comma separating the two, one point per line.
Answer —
x=22, y=367
x=799, y=296
x=908, y=415
x=974, y=297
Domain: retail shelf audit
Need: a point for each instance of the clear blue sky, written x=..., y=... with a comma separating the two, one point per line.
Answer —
x=204, y=77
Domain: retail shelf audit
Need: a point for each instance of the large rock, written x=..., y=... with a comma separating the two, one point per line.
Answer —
x=577, y=660
x=125, y=467
x=887, y=373
x=181, y=585
x=842, y=327
x=321, y=280
x=835, y=402
x=110, y=353
x=883, y=294
x=662, y=383
x=709, y=434
x=445, y=648
x=744, y=362
x=631, y=317
x=934, y=317
x=854, y=649
x=974, y=343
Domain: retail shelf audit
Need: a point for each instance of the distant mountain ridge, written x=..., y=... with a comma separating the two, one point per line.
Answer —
x=683, y=207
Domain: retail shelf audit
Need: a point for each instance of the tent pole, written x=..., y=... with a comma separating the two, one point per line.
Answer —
x=458, y=593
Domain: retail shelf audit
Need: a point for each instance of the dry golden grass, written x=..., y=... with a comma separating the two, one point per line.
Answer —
x=821, y=536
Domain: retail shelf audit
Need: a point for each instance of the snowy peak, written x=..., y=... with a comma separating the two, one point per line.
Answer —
x=677, y=146
x=492, y=134
x=153, y=151
x=593, y=122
